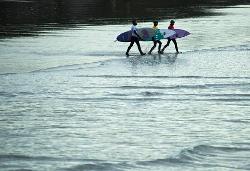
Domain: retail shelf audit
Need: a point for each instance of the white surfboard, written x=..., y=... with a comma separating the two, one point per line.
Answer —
x=164, y=33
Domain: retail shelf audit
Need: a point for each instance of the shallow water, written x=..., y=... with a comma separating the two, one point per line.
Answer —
x=70, y=102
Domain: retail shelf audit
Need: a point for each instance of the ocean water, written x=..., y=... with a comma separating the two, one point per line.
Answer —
x=71, y=100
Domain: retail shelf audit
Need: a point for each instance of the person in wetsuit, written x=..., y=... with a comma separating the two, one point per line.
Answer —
x=171, y=27
x=155, y=27
x=134, y=39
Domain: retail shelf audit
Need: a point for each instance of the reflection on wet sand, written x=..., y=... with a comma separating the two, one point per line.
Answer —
x=167, y=58
x=154, y=59
x=170, y=58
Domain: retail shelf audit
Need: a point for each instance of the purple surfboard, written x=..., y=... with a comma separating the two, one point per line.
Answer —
x=180, y=33
x=124, y=37
x=145, y=33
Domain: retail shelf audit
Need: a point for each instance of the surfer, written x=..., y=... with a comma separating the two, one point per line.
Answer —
x=134, y=39
x=171, y=27
x=155, y=27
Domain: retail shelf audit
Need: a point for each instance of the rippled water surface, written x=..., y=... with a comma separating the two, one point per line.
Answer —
x=71, y=100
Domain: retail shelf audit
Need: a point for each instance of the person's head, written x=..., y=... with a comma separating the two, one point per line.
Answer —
x=155, y=23
x=172, y=22
x=134, y=22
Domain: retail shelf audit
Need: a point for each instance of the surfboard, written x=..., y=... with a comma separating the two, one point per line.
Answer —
x=164, y=33
x=145, y=33
x=180, y=33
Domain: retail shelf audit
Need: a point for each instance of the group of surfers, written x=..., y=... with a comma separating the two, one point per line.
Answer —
x=135, y=39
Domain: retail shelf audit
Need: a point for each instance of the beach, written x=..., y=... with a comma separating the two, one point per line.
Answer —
x=71, y=100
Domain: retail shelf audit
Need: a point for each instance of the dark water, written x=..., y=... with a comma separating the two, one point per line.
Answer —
x=26, y=17
x=68, y=11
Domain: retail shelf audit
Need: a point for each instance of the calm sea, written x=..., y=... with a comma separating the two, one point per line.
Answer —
x=70, y=100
